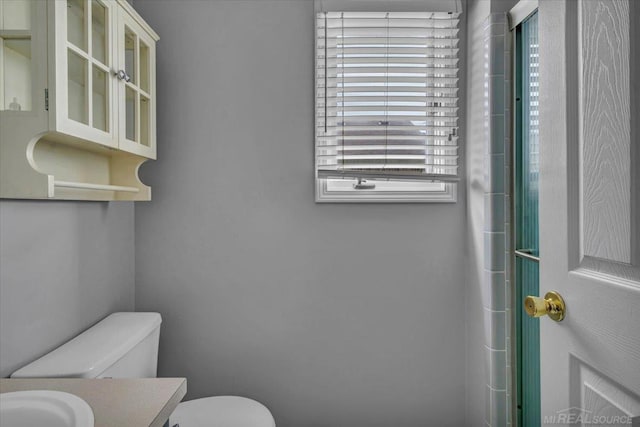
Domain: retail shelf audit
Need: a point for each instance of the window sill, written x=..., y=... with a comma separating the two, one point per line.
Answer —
x=447, y=194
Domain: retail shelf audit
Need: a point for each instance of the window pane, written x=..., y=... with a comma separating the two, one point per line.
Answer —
x=130, y=54
x=144, y=67
x=386, y=95
x=130, y=114
x=76, y=23
x=77, y=87
x=100, y=99
x=145, y=117
x=98, y=31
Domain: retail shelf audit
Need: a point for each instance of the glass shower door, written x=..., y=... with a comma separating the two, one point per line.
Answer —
x=527, y=256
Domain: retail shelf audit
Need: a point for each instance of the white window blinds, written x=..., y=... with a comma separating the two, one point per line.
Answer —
x=386, y=95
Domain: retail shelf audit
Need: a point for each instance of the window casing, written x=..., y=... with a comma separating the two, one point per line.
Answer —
x=386, y=106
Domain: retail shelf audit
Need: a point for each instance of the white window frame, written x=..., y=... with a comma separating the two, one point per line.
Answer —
x=385, y=191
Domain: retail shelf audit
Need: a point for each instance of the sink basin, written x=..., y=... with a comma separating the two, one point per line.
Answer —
x=44, y=408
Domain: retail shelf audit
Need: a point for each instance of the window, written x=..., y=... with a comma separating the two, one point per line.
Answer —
x=386, y=106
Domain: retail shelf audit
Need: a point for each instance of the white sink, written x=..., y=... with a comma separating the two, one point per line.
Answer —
x=44, y=408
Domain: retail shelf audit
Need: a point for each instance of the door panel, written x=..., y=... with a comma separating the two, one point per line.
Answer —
x=599, y=399
x=137, y=92
x=589, y=218
x=603, y=36
x=83, y=60
x=606, y=238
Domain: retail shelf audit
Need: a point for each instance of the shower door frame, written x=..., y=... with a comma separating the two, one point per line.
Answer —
x=522, y=11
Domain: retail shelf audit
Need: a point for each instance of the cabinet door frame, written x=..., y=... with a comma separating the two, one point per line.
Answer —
x=59, y=47
x=126, y=21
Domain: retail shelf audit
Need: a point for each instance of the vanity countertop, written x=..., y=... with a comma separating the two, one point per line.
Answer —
x=131, y=402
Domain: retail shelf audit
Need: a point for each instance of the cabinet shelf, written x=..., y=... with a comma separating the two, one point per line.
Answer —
x=15, y=34
x=88, y=186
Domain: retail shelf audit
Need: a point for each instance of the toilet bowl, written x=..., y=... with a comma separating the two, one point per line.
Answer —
x=222, y=411
x=125, y=345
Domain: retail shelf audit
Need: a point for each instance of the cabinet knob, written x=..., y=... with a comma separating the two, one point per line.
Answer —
x=122, y=75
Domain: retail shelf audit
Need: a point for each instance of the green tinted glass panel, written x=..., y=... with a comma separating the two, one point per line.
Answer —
x=527, y=173
x=527, y=277
x=528, y=149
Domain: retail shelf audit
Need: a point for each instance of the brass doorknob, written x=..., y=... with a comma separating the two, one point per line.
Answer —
x=552, y=304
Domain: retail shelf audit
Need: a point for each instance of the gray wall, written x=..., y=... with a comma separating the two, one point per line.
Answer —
x=63, y=267
x=331, y=315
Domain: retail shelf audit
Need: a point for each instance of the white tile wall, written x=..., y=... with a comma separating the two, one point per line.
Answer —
x=496, y=220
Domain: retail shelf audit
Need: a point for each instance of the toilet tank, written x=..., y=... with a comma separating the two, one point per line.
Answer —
x=122, y=345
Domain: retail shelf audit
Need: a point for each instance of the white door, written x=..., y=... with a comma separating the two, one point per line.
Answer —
x=590, y=210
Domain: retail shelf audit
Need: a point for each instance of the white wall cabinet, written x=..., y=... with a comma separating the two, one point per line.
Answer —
x=77, y=100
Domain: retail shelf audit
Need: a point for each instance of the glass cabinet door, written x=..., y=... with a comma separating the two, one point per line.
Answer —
x=89, y=63
x=16, y=91
x=136, y=50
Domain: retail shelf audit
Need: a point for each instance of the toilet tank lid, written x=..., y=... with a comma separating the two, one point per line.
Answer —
x=93, y=351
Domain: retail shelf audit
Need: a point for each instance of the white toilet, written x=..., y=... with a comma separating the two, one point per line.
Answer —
x=125, y=345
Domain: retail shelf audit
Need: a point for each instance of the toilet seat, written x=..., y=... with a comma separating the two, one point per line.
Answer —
x=222, y=411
